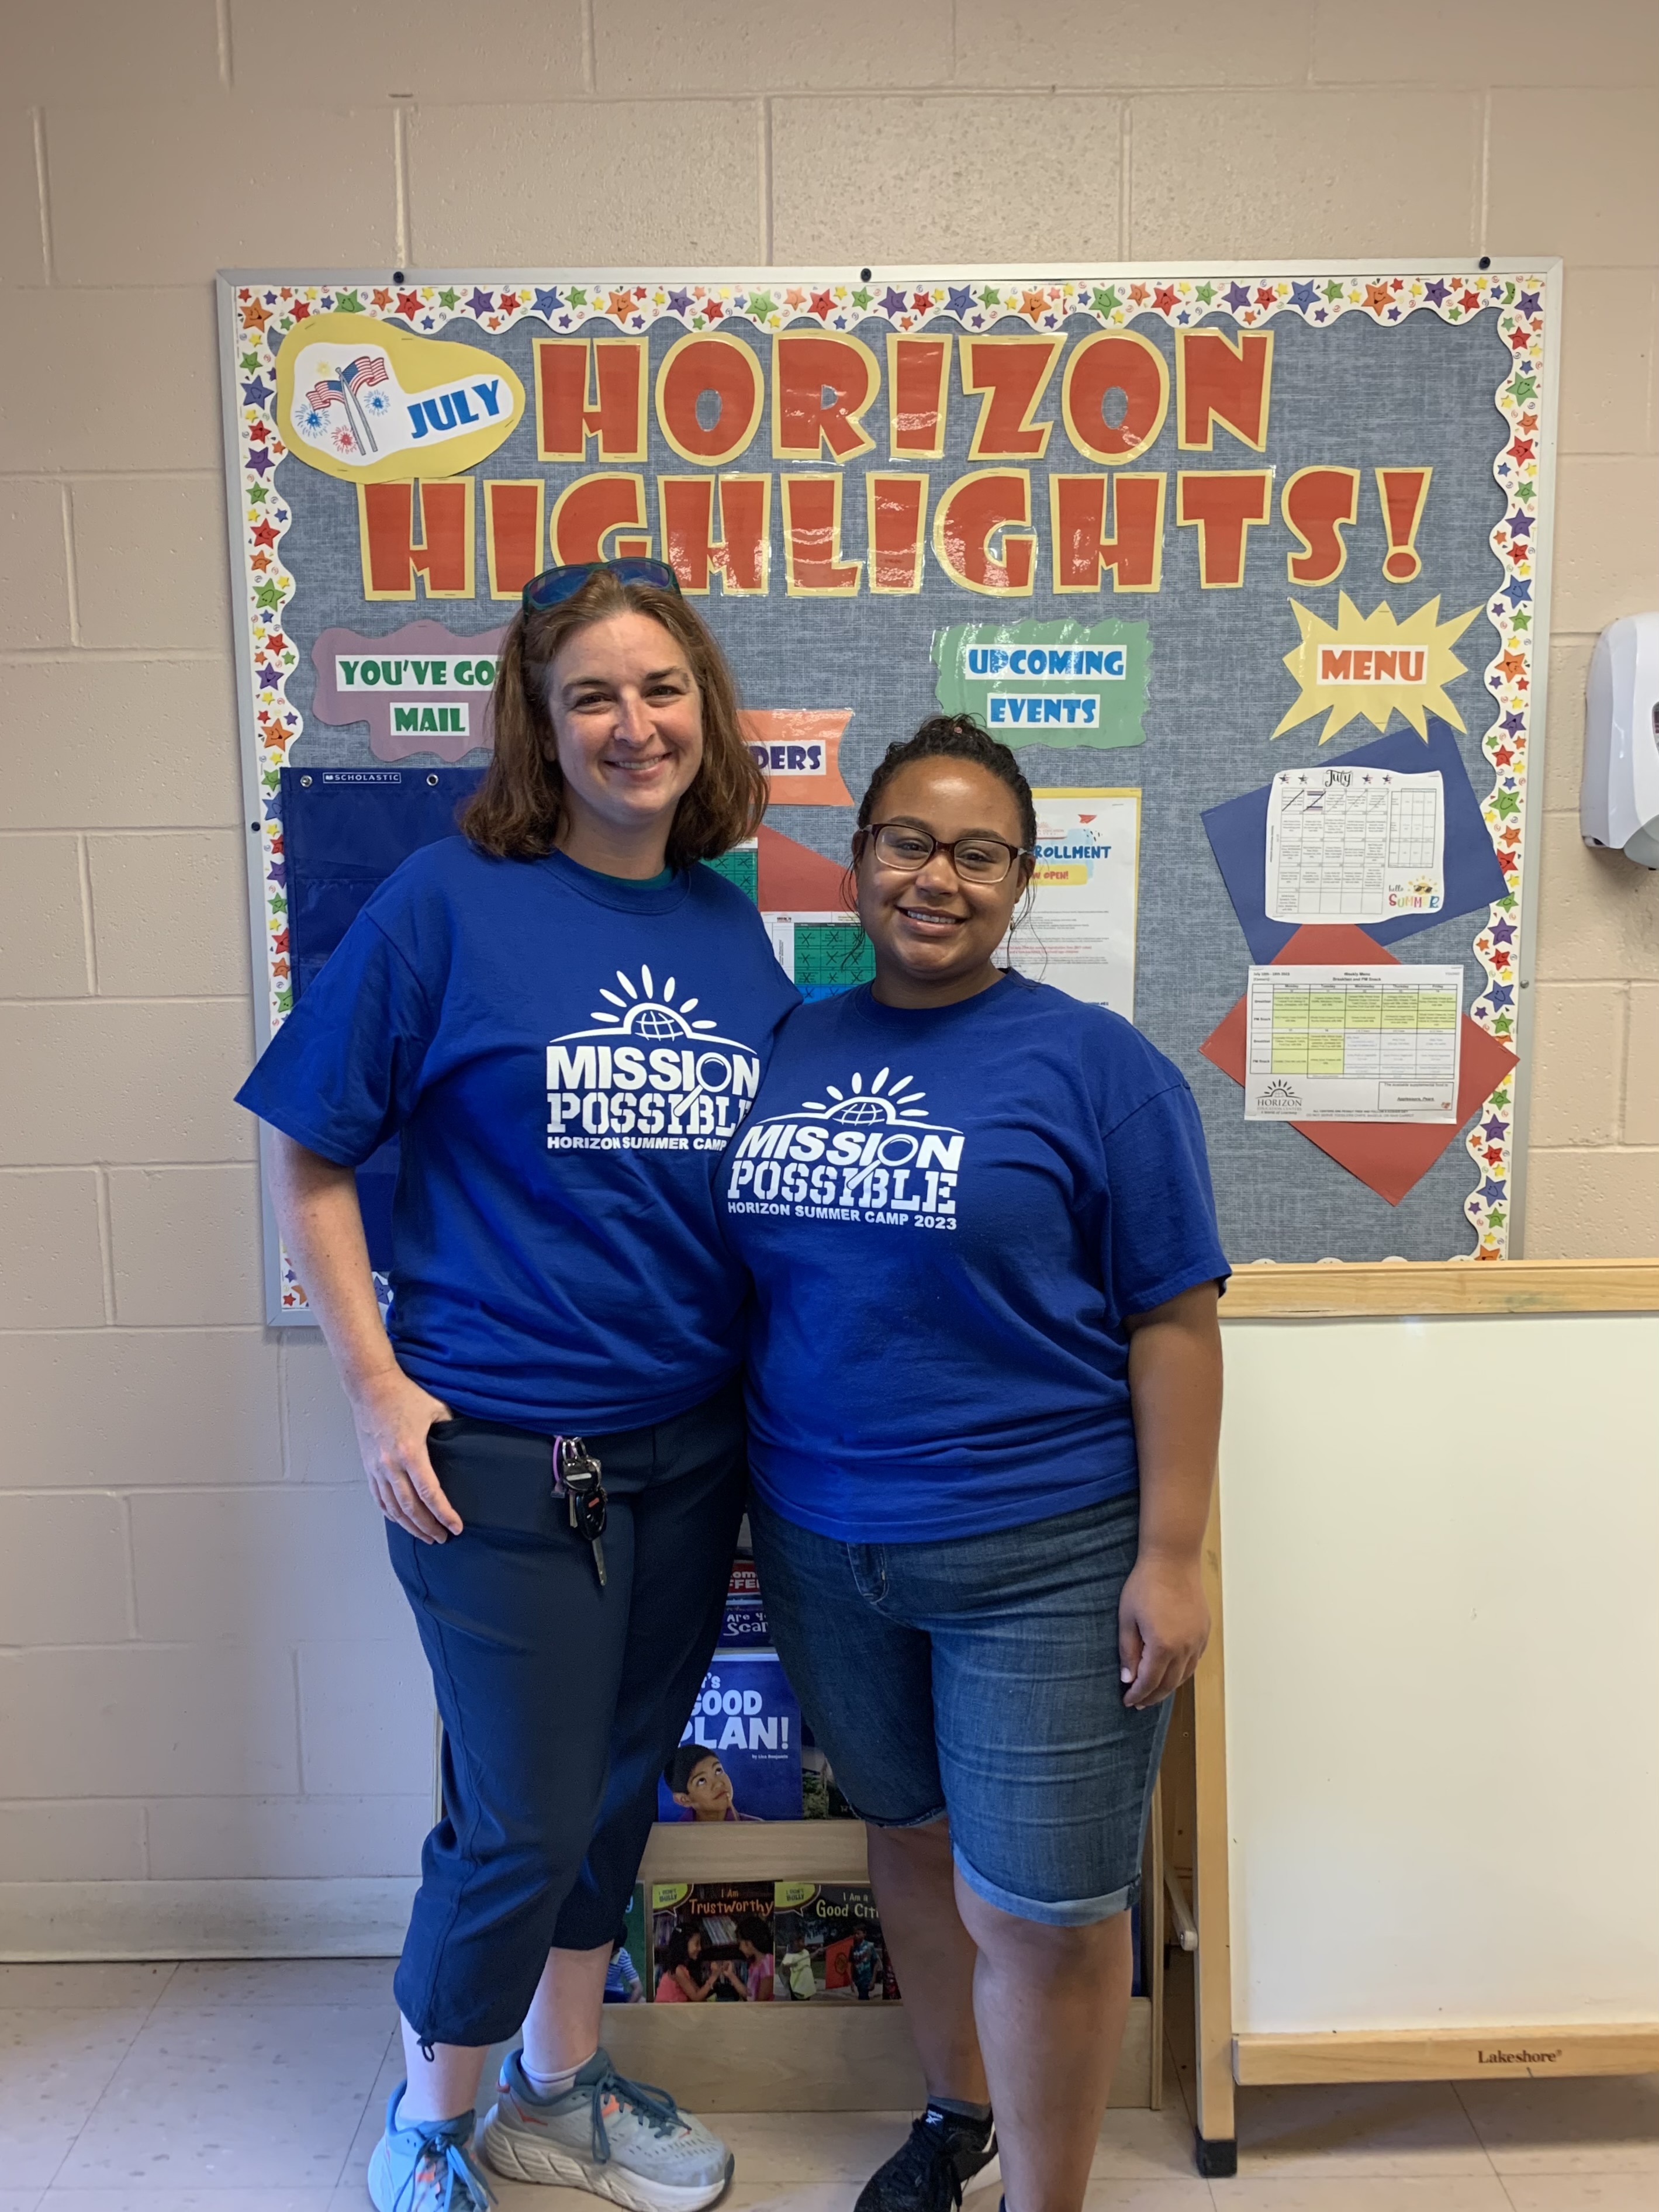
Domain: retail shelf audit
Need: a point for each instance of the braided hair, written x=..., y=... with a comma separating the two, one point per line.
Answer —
x=954, y=737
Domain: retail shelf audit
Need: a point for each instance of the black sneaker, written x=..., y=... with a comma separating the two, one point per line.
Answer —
x=943, y=2156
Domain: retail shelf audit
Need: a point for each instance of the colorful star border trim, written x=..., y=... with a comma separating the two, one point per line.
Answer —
x=265, y=313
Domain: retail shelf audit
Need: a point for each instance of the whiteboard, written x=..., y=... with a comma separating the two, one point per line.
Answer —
x=1440, y=1544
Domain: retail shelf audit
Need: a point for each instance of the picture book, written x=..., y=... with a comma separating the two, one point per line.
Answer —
x=828, y=1945
x=711, y=1942
x=744, y=1625
x=739, y=1756
x=627, y=1978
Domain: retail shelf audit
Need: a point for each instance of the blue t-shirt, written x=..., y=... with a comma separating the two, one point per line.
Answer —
x=948, y=1215
x=563, y=1058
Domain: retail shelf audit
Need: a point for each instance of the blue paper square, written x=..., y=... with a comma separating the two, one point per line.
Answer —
x=1237, y=830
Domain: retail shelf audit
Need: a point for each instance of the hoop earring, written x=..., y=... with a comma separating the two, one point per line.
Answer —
x=849, y=901
x=1022, y=914
x=850, y=878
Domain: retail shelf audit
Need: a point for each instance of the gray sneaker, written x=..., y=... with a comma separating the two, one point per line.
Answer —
x=426, y=2165
x=621, y=2139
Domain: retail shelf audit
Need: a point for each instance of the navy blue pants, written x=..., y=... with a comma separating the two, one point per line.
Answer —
x=560, y=1702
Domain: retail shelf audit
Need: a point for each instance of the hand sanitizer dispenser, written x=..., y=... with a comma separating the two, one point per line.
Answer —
x=1618, y=796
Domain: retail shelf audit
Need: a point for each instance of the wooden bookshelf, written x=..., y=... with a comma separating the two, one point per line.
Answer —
x=830, y=2057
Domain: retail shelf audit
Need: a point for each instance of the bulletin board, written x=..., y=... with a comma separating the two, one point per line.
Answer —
x=1185, y=538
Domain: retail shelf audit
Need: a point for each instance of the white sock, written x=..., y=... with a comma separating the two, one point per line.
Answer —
x=552, y=2085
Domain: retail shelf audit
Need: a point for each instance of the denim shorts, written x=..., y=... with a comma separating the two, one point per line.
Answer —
x=978, y=1678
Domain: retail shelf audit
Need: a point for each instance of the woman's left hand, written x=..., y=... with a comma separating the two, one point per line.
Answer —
x=1163, y=1626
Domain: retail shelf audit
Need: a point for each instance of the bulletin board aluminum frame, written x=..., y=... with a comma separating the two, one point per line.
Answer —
x=773, y=300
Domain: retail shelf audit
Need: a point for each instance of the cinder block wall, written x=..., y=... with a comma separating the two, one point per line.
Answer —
x=204, y=1671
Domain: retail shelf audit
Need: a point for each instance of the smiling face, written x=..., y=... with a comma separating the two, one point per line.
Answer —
x=627, y=731
x=934, y=932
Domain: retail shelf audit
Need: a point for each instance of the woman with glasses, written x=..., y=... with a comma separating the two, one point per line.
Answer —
x=564, y=1018
x=984, y=1392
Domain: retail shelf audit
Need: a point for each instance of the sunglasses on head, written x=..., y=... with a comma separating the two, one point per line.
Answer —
x=553, y=586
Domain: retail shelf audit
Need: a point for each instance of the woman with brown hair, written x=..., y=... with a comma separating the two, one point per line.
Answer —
x=564, y=1018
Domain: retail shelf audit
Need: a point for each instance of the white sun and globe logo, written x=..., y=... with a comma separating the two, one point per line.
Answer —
x=650, y=1013
x=886, y=1102
x=644, y=1013
x=879, y=1104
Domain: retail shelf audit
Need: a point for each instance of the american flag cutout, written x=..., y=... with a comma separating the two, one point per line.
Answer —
x=368, y=368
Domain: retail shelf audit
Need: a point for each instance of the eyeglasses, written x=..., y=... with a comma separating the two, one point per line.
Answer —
x=976, y=860
x=553, y=586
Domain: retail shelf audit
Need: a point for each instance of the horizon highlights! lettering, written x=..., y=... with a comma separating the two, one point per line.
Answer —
x=721, y=400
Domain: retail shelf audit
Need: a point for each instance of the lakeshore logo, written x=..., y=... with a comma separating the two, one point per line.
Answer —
x=867, y=1153
x=1516, y=2057
x=648, y=1077
x=1279, y=1097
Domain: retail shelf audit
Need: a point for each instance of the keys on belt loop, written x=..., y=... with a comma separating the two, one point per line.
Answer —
x=578, y=1475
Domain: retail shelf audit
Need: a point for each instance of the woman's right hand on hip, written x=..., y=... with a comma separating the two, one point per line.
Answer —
x=394, y=1416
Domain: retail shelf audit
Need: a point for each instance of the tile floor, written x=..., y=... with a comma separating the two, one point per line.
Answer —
x=259, y=2088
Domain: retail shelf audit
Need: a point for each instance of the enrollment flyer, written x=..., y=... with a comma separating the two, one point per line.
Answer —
x=1081, y=933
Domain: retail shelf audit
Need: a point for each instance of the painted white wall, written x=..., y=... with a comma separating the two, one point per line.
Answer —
x=206, y=1675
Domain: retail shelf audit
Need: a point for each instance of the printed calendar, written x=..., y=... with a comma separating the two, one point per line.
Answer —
x=1355, y=844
